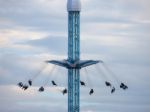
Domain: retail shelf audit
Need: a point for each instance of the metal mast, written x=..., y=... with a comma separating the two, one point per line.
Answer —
x=73, y=63
x=73, y=8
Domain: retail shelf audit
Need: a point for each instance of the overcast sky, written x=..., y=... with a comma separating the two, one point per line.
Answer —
x=115, y=31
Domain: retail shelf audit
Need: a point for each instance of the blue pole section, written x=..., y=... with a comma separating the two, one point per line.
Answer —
x=73, y=55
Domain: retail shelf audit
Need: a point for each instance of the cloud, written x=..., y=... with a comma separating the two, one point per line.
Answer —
x=50, y=44
x=116, y=32
x=30, y=100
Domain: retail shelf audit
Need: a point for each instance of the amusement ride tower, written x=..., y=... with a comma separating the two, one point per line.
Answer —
x=73, y=63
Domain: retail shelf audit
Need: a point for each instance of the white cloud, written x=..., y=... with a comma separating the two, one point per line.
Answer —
x=16, y=35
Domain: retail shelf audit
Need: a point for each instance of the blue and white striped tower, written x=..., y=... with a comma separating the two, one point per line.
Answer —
x=73, y=8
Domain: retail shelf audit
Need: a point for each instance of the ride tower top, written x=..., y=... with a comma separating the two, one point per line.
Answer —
x=73, y=5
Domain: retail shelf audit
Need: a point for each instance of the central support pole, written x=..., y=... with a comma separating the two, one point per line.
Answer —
x=73, y=7
x=73, y=55
x=73, y=63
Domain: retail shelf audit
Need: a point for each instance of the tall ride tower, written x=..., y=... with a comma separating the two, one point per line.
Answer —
x=73, y=7
x=73, y=63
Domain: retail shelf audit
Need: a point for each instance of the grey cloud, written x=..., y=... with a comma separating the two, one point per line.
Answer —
x=129, y=59
x=53, y=44
x=32, y=14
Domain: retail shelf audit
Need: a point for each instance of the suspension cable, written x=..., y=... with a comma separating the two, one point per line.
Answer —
x=50, y=74
x=39, y=72
x=113, y=75
x=88, y=78
x=99, y=71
